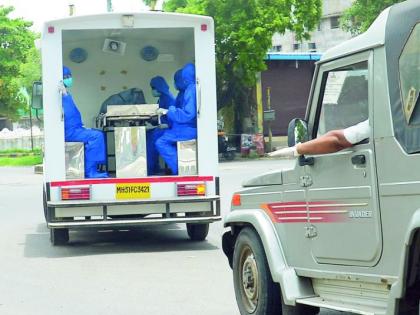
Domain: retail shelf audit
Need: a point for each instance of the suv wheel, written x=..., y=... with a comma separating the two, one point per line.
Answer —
x=256, y=292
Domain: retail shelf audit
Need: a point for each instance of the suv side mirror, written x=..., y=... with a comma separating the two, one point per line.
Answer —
x=37, y=95
x=297, y=132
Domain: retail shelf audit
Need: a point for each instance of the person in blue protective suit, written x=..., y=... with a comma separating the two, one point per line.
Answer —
x=75, y=132
x=160, y=89
x=183, y=119
x=180, y=86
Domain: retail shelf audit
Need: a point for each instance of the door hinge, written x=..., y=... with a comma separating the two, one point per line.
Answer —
x=305, y=181
x=310, y=231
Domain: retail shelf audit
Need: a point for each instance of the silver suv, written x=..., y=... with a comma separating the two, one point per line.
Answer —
x=341, y=230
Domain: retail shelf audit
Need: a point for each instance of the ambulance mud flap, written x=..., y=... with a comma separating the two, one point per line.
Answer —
x=292, y=286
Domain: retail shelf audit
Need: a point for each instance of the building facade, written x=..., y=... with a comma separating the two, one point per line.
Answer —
x=291, y=64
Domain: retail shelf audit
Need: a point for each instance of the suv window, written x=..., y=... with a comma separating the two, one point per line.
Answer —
x=344, y=98
x=409, y=65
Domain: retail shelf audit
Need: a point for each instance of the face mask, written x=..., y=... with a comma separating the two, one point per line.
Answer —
x=68, y=82
x=155, y=93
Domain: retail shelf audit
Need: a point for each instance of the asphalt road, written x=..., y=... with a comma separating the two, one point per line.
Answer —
x=144, y=271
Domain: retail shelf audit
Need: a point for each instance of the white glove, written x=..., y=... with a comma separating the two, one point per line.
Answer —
x=62, y=89
x=285, y=152
x=161, y=111
x=149, y=126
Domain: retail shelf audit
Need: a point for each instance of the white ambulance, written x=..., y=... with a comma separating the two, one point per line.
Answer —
x=109, y=53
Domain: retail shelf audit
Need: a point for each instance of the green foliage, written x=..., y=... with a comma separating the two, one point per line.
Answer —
x=37, y=151
x=21, y=161
x=244, y=30
x=150, y=3
x=17, y=56
x=173, y=5
x=362, y=13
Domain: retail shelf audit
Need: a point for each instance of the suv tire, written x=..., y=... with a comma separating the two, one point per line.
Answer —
x=258, y=294
x=255, y=291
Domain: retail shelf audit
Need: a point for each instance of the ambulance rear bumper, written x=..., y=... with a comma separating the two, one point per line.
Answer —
x=131, y=222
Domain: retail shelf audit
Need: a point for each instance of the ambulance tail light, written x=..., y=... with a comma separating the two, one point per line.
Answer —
x=236, y=200
x=191, y=190
x=75, y=193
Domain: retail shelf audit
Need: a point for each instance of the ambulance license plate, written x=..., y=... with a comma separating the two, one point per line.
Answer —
x=133, y=191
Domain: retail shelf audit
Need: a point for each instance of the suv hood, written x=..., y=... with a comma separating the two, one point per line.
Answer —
x=266, y=179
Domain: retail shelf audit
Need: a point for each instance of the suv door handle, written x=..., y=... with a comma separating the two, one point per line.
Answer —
x=358, y=159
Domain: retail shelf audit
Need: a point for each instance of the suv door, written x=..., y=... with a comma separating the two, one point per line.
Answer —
x=342, y=196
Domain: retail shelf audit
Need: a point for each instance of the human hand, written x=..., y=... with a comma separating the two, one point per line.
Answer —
x=161, y=111
x=285, y=152
x=61, y=88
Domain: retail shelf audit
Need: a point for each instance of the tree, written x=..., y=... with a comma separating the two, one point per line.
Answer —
x=244, y=29
x=150, y=3
x=16, y=44
x=362, y=13
x=30, y=71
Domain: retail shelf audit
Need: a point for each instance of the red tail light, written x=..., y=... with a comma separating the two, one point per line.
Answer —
x=191, y=189
x=75, y=193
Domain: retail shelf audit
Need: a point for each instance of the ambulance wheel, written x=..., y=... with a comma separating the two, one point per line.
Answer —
x=198, y=231
x=59, y=236
x=255, y=291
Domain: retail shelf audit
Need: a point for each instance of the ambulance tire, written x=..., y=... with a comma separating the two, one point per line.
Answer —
x=198, y=231
x=59, y=236
x=256, y=294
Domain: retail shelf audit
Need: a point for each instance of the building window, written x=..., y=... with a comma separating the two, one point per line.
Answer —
x=311, y=46
x=335, y=22
x=319, y=27
x=296, y=46
x=276, y=48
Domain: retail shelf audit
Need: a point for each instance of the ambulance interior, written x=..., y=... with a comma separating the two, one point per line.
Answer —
x=108, y=65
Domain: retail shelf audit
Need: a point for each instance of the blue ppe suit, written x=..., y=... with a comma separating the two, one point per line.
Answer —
x=166, y=99
x=183, y=120
x=74, y=131
x=180, y=86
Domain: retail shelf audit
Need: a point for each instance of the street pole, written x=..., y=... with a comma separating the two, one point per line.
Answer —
x=270, y=134
x=109, y=5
